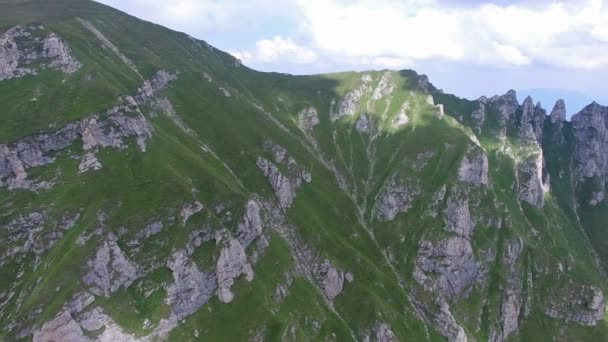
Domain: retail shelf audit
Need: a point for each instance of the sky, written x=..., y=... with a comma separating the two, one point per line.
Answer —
x=551, y=48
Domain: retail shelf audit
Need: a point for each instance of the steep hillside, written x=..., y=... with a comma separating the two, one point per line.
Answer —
x=153, y=188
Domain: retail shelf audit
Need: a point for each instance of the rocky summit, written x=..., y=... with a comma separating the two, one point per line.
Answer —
x=152, y=188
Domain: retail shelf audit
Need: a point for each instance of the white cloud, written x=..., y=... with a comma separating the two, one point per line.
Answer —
x=396, y=33
x=277, y=49
x=488, y=34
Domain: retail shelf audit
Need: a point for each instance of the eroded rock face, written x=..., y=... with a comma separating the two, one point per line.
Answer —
x=23, y=50
x=446, y=324
x=530, y=180
x=280, y=184
x=109, y=269
x=191, y=288
x=526, y=124
x=26, y=235
x=110, y=128
x=62, y=328
x=506, y=105
x=581, y=304
x=385, y=86
x=511, y=299
x=89, y=162
x=397, y=197
x=283, y=183
x=590, y=128
x=473, y=168
x=329, y=278
x=190, y=209
x=118, y=123
x=308, y=118
x=364, y=124
x=251, y=225
x=231, y=264
x=558, y=114
x=447, y=267
x=382, y=332
x=457, y=215
x=478, y=118
x=349, y=104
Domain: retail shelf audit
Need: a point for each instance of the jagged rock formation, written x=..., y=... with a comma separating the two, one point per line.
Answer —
x=23, y=51
x=591, y=160
x=251, y=225
x=581, y=304
x=364, y=124
x=109, y=269
x=109, y=129
x=62, y=328
x=191, y=288
x=382, y=332
x=231, y=264
x=512, y=300
x=330, y=279
x=349, y=104
x=308, y=118
x=397, y=197
x=530, y=179
x=190, y=209
x=447, y=267
x=474, y=167
x=457, y=215
x=284, y=185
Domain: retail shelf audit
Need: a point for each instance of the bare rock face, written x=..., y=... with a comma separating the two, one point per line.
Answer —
x=191, y=288
x=447, y=267
x=329, y=278
x=110, y=128
x=557, y=120
x=364, y=124
x=281, y=185
x=507, y=106
x=26, y=235
x=251, y=225
x=558, y=114
x=21, y=48
x=446, y=324
x=109, y=269
x=401, y=119
x=230, y=265
x=89, y=162
x=308, y=118
x=385, y=86
x=530, y=180
x=349, y=104
x=284, y=182
x=473, y=168
x=526, y=127
x=119, y=123
x=581, y=304
x=478, y=118
x=62, y=328
x=397, y=197
x=511, y=299
x=188, y=210
x=457, y=215
x=382, y=332
x=590, y=128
